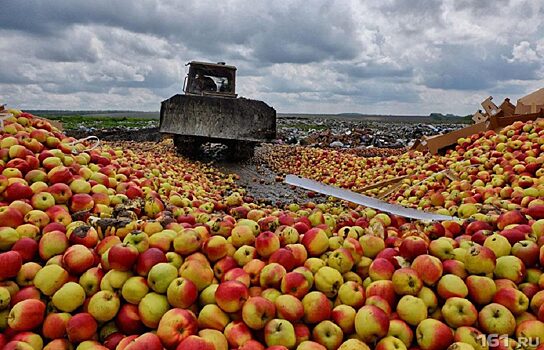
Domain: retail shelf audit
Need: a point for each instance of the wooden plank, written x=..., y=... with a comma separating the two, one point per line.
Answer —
x=384, y=195
x=383, y=183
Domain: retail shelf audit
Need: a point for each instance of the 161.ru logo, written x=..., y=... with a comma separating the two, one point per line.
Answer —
x=495, y=340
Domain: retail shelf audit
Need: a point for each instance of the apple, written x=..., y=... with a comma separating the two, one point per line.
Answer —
x=328, y=280
x=231, y=295
x=412, y=247
x=381, y=269
x=255, y=345
x=59, y=214
x=42, y=201
x=527, y=251
x=81, y=327
x=479, y=260
x=215, y=248
x=212, y=317
x=37, y=218
x=199, y=273
x=122, y=256
x=498, y=244
x=455, y=267
x=352, y=294
x=328, y=334
x=442, y=248
x=11, y=263
x=317, y=307
x=510, y=267
x=406, y=281
x=69, y=297
x=90, y=280
x=175, y=326
x=26, y=315
x=497, y=319
x=77, y=232
x=160, y=276
x=380, y=303
x=401, y=330
x=429, y=268
x=52, y=243
x=11, y=217
x=352, y=344
x=384, y=289
x=296, y=284
x=196, y=343
x=372, y=245
x=50, y=279
x=481, y=289
x=344, y=317
x=513, y=299
x=5, y=298
x=54, y=325
x=451, y=286
x=104, y=305
x=237, y=333
x=284, y=257
x=16, y=191
x=128, y=320
x=25, y=293
x=147, y=260
x=237, y=274
x=531, y=330
x=59, y=174
x=411, y=309
x=271, y=275
x=61, y=192
x=510, y=217
x=279, y=332
x=215, y=337
x=207, y=296
x=266, y=243
x=78, y=259
x=432, y=334
x=257, y=311
x=134, y=289
x=371, y=323
x=289, y=308
x=182, y=293
x=151, y=308
x=315, y=241
x=31, y=231
x=471, y=336
x=459, y=312
x=389, y=343
x=243, y=235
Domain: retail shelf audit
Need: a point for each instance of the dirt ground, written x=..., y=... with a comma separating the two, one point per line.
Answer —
x=263, y=184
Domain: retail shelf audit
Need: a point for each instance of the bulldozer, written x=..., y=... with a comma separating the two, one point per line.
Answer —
x=209, y=110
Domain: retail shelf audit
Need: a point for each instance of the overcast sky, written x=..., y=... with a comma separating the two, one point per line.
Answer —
x=314, y=56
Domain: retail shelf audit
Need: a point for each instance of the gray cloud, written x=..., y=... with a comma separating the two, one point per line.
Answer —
x=378, y=56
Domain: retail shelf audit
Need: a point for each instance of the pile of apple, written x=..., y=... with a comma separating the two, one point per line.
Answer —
x=488, y=172
x=121, y=248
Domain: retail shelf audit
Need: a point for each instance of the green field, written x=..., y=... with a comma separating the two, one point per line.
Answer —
x=76, y=121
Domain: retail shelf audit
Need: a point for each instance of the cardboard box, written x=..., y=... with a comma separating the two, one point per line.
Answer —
x=530, y=107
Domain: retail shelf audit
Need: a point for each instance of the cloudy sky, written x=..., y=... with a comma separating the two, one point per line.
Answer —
x=317, y=56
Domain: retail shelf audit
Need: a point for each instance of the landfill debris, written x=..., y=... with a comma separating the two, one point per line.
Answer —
x=355, y=133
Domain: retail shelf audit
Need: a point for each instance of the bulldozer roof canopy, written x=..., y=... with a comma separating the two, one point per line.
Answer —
x=198, y=64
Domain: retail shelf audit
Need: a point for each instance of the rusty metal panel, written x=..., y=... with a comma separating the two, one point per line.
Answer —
x=216, y=117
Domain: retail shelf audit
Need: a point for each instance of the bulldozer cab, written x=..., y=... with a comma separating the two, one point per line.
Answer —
x=212, y=79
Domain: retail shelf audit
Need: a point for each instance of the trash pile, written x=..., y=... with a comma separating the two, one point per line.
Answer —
x=354, y=134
